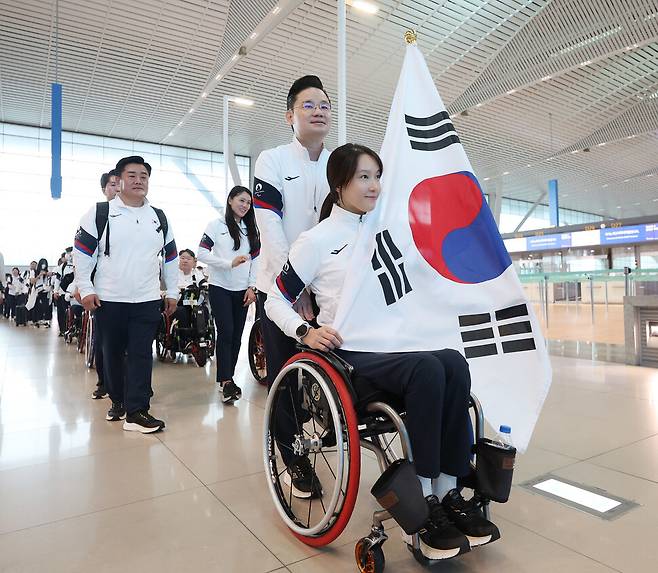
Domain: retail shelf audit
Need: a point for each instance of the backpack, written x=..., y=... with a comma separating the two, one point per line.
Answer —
x=103, y=214
x=102, y=217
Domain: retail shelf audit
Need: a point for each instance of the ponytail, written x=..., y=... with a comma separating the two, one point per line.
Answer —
x=328, y=204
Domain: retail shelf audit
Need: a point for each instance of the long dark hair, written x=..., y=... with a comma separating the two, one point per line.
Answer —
x=249, y=221
x=341, y=167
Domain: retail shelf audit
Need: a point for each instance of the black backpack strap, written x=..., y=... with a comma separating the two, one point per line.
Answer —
x=164, y=226
x=102, y=216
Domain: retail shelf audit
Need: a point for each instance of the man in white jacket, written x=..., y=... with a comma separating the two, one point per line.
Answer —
x=290, y=184
x=124, y=254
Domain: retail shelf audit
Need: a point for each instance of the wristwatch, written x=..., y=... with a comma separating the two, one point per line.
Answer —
x=302, y=331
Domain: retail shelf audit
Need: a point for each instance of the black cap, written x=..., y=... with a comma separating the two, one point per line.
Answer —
x=300, y=85
x=121, y=164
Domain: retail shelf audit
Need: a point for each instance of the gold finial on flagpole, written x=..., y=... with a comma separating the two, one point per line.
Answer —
x=410, y=37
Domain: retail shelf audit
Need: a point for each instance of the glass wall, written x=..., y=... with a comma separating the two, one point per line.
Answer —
x=649, y=256
x=188, y=184
x=512, y=212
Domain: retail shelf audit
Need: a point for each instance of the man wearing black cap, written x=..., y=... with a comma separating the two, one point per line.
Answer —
x=290, y=184
x=124, y=249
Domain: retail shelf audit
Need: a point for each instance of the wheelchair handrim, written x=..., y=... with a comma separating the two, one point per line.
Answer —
x=321, y=526
x=323, y=532
x=354, y=472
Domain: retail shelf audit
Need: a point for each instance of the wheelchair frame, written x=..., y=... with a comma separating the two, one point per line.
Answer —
x=381, y=419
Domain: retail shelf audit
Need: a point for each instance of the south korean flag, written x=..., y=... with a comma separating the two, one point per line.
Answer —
x=430, y=270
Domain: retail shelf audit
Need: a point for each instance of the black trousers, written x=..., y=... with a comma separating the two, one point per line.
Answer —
x=230, y=315
x=10, y=305
x=61, y=304
x=98, y=355
x=43, y=309
x=127, y=332
x=436, y=388
x=279, y=348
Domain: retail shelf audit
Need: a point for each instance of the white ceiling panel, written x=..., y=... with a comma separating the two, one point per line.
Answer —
x=531, y=84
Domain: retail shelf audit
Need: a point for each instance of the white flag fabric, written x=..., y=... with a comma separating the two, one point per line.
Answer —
x=430, y=269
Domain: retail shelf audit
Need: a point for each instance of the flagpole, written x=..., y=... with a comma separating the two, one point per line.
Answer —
x=342, y=63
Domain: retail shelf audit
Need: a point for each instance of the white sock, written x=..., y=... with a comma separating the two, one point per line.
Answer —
x=426, y=484
x=443, y=484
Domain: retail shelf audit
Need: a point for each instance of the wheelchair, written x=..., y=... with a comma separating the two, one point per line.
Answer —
x=189, y=331
x=74, y=324
x=338, y=414
x=256, y=352
x=89, y=329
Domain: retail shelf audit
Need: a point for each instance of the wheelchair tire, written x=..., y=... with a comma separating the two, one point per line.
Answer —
x=163, y=353
x=90, y=343
x=346, y=433
x=369, y=559
x=256, y=352
x=199, y=354
x=82, y=337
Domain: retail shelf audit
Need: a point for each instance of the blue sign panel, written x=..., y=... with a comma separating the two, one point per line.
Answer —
x=548, y=242
x=630, y=234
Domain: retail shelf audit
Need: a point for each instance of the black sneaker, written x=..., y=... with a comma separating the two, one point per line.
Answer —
x=439, y=538
x=303, y=479
x=99, y=393
x=230, y=392
x=468, y=518
x=116, y=412
x=142, y=422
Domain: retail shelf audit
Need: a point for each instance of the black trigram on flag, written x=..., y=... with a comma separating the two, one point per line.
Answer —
x=441, y=132
x=392, y=270
x=507, y=332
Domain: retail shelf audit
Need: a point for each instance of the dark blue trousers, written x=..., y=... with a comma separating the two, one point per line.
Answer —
x=127, y=332
x=279, y=348
x=435, y=387
x=230, y=315
x=98, y=356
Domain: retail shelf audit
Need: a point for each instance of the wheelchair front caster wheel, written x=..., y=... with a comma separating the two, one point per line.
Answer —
x=369, y=559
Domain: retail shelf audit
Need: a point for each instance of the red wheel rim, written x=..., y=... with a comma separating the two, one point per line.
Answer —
x=354, y=453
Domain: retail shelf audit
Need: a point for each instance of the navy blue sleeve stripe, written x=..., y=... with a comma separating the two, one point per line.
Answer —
x=207, y=242
x=85, y=242
x=289, y=283
x=267, y=196
x=170, y=251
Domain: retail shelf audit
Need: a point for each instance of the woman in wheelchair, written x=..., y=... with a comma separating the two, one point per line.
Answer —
x=433, y=386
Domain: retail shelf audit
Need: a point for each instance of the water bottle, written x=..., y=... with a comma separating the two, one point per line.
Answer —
x=504, y=438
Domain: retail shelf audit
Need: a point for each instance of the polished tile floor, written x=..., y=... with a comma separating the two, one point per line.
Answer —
x=78, y=494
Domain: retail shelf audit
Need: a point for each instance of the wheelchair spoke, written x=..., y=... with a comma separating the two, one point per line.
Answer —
x=294, y=409
x=390, y=442
x=328, y=464
x=313, y=482
x=286, y=446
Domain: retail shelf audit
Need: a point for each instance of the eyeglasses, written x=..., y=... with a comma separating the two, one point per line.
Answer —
x=309, y=106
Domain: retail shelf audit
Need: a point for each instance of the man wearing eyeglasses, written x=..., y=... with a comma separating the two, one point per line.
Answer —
x=290, y=184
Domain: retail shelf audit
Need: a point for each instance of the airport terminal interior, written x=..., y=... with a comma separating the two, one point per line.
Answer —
x=551, y=109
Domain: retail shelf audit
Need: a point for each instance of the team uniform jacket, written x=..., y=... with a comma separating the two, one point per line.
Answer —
x=216, y=251
x=16, y=286
x=131, y=272
x=318, y=259
x=64, y=270
x=195, y=277
x=289, y=190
